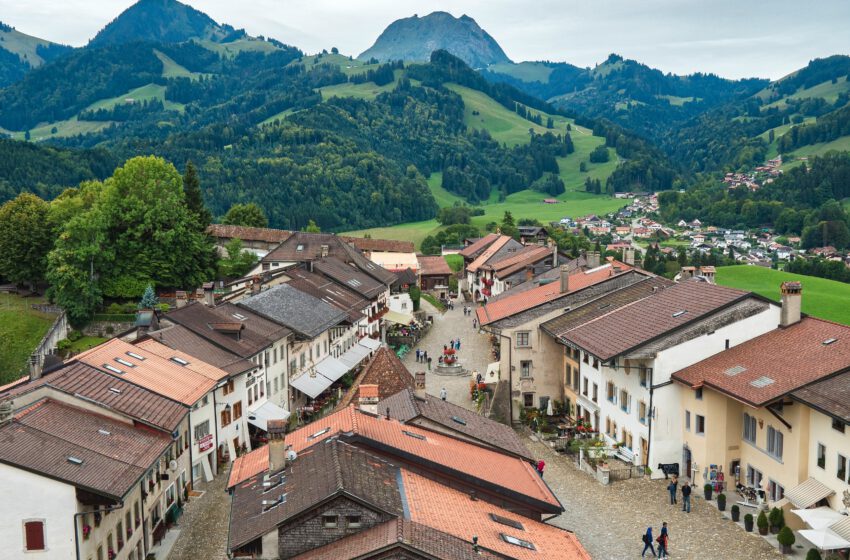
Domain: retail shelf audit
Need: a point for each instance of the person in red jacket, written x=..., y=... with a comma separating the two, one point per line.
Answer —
x=540, y=466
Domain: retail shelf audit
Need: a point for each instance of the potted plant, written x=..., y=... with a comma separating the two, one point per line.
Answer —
x=736, y=512
x=721, y=501
x=86, y=531
x=748, y=522
x=707, y=491
x=762, y=523
x=813, y=554
x=776, y=520
x=786, y=539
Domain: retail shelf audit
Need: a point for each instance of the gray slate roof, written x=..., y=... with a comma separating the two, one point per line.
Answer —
x=301, y=312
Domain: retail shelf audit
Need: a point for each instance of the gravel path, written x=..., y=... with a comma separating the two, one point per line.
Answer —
x=609, y=520
x=204, y=524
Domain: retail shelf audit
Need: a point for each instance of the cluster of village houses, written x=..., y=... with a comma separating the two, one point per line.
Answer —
x=761, y=175
x=333, y=449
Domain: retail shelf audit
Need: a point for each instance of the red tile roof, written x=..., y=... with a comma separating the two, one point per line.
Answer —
x=488, y=253
x=454, y=512
x=246, y=233
x=646, y=319
x=380, y=245
x=386, y=371
x=578, y=279
x=434, y=266
x=775, y=363
x=479, y=245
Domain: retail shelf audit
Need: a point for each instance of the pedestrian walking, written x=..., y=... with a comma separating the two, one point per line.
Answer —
x=429, y=363
x=418, y=354
x=663, y=542
x=672, y=488
x=541, y=464
x=475, y=323
x=443, y=393
x=686, y=498
x=458, y=344
x=647, y=543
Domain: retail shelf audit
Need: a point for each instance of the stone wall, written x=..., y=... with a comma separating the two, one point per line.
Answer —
x=102, y=328
x=58, y=331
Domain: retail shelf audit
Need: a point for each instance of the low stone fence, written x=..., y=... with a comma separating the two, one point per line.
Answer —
x=58, y=331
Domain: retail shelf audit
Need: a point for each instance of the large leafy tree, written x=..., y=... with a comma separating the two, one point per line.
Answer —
x=237, y=262
x=25, y=239
x=249, y=214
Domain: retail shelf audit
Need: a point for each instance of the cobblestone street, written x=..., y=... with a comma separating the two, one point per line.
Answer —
x=609, y=520
x=204, y=525
x=474, y=352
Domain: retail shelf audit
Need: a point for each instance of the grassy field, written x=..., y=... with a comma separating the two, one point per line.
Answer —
x=21, y=329
x=23, y=45
x=85, y=343
x=826, y=90
x=233, y=48
x=676, y=101
x=822, y=298
x=525, y=71
x=840, y=144
x=348, y=67
x=170, y=69
x=455, y=262
x=145, y=93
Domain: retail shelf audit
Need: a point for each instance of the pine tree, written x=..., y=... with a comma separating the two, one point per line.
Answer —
x=194, y=199
x=149, y=299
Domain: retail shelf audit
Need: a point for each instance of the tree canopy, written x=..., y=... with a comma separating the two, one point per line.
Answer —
x=25, y=239
x=249, y=214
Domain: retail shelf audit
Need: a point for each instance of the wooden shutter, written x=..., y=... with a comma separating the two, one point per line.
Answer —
x=34, y=531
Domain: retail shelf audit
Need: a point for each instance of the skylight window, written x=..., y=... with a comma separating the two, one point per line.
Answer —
x=239, y=316
x=354, y=282
x=517, y=542
x=125, y=362
x=300, y=248
x=75, y=460
x=180, y=361
x=762, y=382
x=137, y=356
x=413, y=435
x=319, y=433
x=829, y=341
x=269, y=504
x=506, y=521
x=104, y=432
x=679, y=313
x=735, y=370
x=459, y=420
x=113, y=369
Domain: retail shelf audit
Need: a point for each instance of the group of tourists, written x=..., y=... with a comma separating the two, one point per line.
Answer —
x=663, y=541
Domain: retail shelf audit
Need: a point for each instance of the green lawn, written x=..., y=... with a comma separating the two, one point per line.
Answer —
x=21, y=329
x=170, y=69
x=455, y=262
x=840, y=144
x=347, y=66
x=85, y=343
x=822, y=298
x=827, y=90
x=368, y=90
x=233, y=48
x=676, y=101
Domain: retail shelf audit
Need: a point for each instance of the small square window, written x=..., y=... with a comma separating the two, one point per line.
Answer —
x=700, y=427
x=699, y=394
x=838, y=425
x=353, y=521
x=528, y=400
x=330, y=521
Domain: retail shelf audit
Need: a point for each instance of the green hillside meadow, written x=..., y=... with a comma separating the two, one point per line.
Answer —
x=822, y=298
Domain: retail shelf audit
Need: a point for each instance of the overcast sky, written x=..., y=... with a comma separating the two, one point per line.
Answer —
x=733, y=38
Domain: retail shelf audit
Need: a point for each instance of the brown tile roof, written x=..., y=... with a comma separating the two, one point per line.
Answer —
x=246, y=233
x=775, y=363
x=319, y=472
x=644, y=320
x=453, y=512
x=405, y=407
x=396, y=536
x=605, y=304
x=334, y=293
x=472, y=250
x=523, y=301
x=488, y=253
x=66, y=443
x=386, y=371
x=194, y=363
x=258, y=332
x=831, y=396
x=518, y=261
x=350, y=277
x=497, y=472
x=156, y=373
x=434, y=266
x=185, y=340
x=553, y=274
x=380, y=245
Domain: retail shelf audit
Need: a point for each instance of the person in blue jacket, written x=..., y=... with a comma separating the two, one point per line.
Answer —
x=647, y=543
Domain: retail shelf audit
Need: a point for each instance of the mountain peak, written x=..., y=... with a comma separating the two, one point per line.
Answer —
x=415, y=38
x=167, y=21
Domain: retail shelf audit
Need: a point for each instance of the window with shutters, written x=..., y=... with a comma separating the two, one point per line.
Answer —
x=225, y=418
x=611, y=392
x=774, y=442
x=34, y=535
x=237, y=410
x=749, y=428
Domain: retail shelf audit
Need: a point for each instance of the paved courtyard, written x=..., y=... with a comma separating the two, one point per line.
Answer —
x=204, y=524
x=474, y=352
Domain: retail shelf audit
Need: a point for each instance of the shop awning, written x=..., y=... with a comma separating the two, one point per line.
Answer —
x=398, y=318
x=311, y=383
x=260, y=415
x=354, y=355
x=332, y=368
x=842, y=528
x=369, y=343
x=825, y=539
x=818, y=518
x=808, y=493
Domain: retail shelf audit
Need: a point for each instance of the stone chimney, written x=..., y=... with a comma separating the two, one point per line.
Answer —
x=6, y=411
x=209, y=294
x=256, y=284
x=593, y=259
x=325, y=251
x=367, y=398
x=529, y=273
x=182, y=298
x=792, y=301
x=554, y=254
x=686, y=273
x=277, y=445
x=565, y=278
x=629, y=256
x=419, y=384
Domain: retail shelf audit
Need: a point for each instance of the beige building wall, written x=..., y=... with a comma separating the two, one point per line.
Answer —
x=821, y=432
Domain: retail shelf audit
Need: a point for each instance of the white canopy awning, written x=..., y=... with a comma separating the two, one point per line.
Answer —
x=398, y=318
x=808, y=493
x=818, y=518
x=825, y=539
x=260, y=415
x=842, y=528
x=332, y=368
x=369, y=343
x=311, y=383
x=354, y=355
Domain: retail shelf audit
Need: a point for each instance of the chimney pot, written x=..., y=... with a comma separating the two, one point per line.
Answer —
x=565, y=279
x=629, y=256
x=277, y=444
x=419, y=385
x=593, y=259
x=792, y=303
